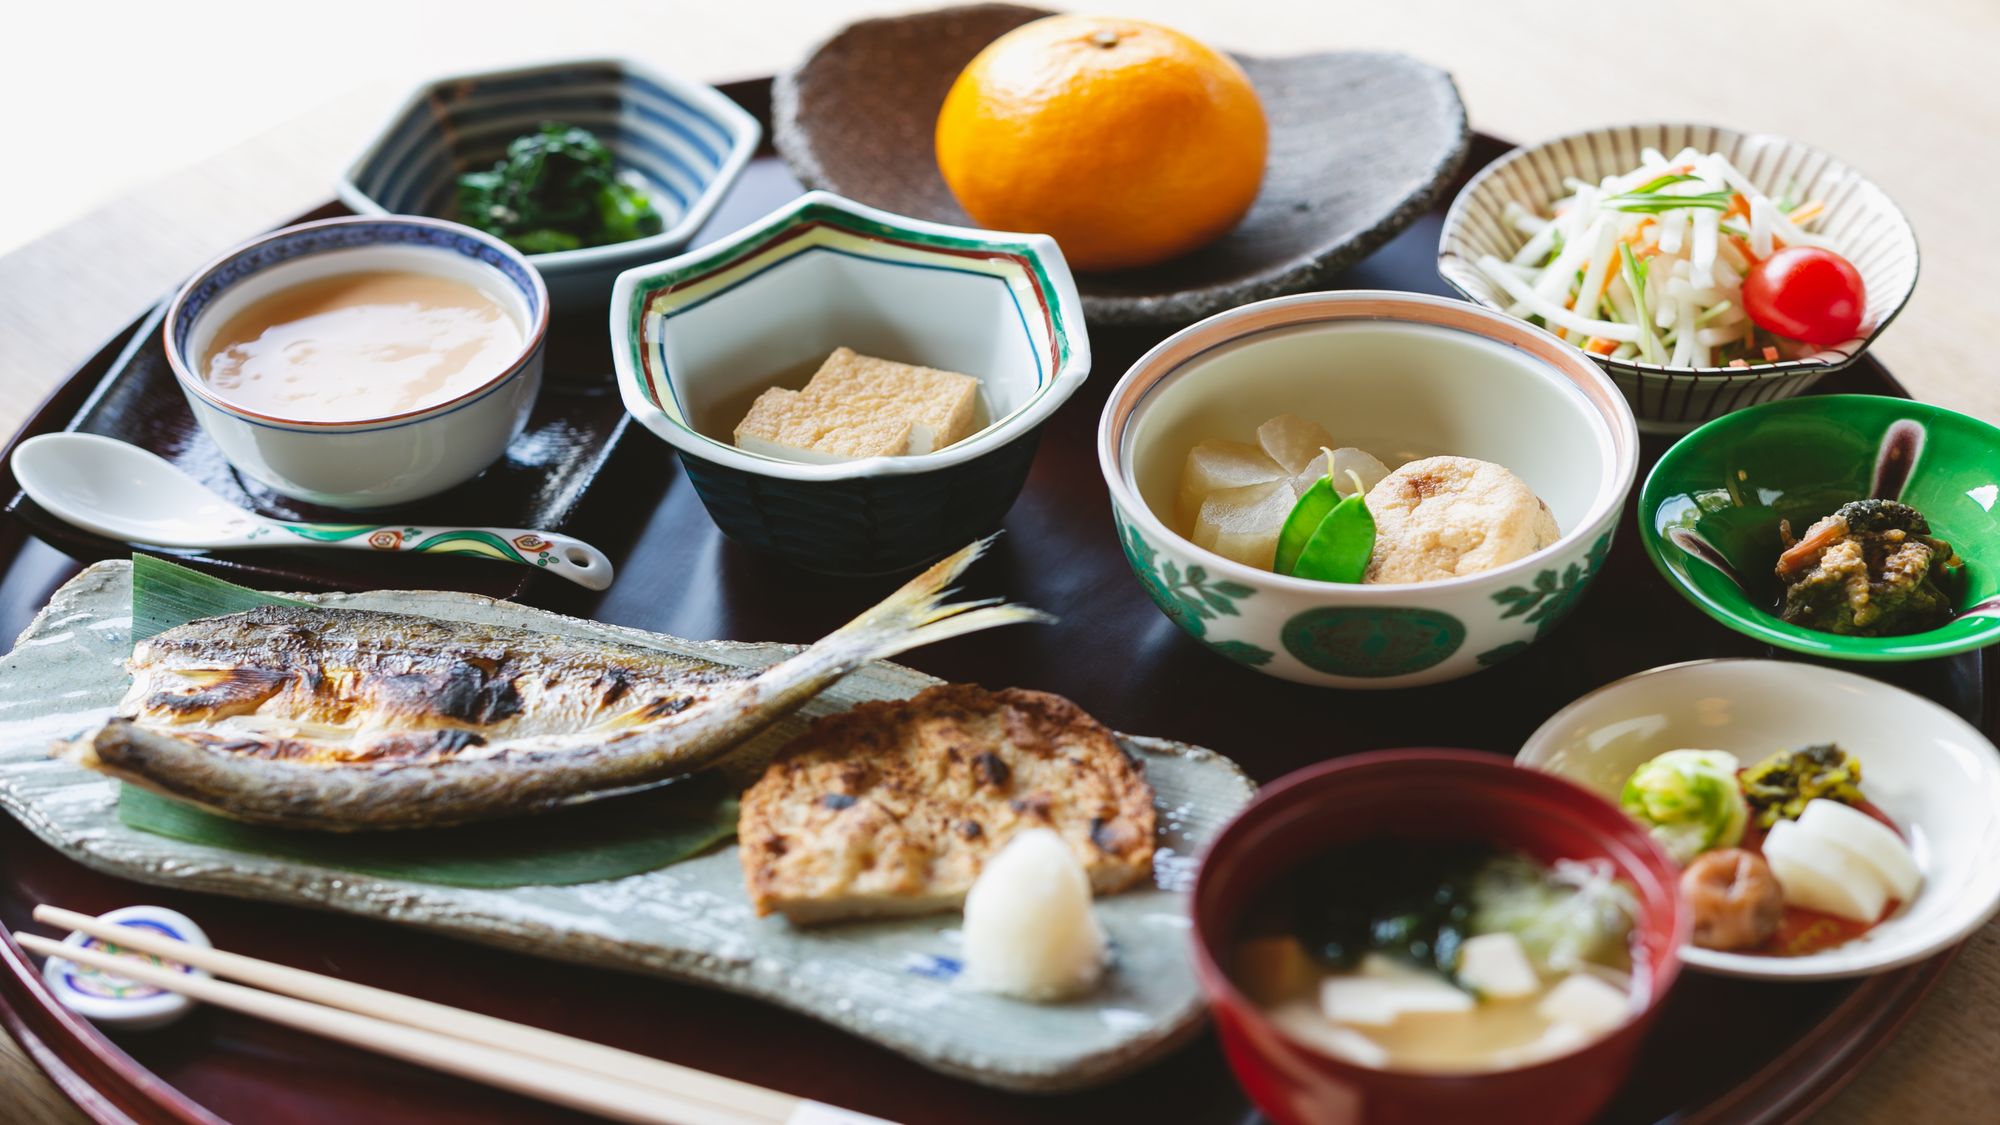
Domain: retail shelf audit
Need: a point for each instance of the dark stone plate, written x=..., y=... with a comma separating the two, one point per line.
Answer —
x=1361, y=144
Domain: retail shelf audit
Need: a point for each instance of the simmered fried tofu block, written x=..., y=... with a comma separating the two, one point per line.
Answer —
x=860, y=406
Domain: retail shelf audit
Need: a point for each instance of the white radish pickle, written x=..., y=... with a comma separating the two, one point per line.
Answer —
x=1823, y=877
x=1868, y=840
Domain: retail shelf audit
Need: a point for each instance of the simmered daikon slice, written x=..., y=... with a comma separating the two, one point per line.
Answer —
x=1243, y=523
x=1215, y=465
x=1821, y=876
x=1347, y=459
x=1293, y=442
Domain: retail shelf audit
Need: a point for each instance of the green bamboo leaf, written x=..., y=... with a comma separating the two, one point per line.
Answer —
x=1232, y=590
x=165, y=596
x=1218, y=603
x=609, y=839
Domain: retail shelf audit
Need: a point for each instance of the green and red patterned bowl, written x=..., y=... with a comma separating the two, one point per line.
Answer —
x=1403, y=376
x=1709, y=512
x=697, y=337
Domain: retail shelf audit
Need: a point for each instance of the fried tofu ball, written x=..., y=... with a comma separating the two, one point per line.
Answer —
x=1443, y=517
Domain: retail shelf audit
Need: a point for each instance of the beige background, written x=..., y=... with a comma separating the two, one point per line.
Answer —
x=144, y=137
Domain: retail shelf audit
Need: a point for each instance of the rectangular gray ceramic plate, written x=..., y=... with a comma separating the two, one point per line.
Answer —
x=888, y=981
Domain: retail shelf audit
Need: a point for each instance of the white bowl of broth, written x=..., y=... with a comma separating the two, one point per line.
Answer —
x=361, y=362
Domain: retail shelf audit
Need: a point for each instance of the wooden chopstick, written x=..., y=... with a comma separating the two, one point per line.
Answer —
x=529, y=1060
x=625, y=1066
x=608, y=1097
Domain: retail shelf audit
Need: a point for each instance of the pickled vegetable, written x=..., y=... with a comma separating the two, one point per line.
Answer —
x=1778, y=787
x=1689, y=800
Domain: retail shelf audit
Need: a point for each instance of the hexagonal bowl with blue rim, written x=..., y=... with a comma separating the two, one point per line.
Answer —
x=696, y=338
x=1403, y=376
x=684, y=141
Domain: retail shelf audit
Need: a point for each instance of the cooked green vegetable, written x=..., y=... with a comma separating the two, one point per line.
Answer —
x=1339, y=551
x=1314, y=505
x=1871, y=569
x=1327, y=538
x=557, y=189
x=1689, y=800
x=1565, y=915
x=1780, y=785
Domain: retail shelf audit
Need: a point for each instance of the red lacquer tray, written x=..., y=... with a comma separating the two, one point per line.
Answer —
x=1723, y=1050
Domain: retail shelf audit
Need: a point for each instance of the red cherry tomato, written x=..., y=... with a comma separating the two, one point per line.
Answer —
x=1805, y=293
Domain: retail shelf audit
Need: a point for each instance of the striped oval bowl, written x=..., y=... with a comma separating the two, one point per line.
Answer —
x=1864, y=225
x=697, y=337
x=687, y=141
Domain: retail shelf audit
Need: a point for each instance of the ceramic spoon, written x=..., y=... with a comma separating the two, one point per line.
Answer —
x=119, y=490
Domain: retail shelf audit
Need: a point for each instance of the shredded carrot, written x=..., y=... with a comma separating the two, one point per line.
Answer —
x=1742, y=248
x=1807, y=212
x=1771, y=353
x=1600, y=346
x=1737, y=206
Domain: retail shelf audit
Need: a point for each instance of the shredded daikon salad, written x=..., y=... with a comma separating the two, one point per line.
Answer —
x=1649, y=265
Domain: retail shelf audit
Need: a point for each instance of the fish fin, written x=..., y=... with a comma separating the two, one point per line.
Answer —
x=79, y=751
x=917, y=614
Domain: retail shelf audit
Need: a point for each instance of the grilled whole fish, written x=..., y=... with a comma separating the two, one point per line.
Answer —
x=350, y=720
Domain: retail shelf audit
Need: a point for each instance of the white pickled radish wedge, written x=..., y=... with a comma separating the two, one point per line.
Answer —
x=1868, y=840
x=1293, y=442
x=1216, y=465
x=1820, y=876
x=1346, y=460
x=1243, y=523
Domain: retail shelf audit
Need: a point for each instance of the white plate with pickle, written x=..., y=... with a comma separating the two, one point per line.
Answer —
x=1823, y=760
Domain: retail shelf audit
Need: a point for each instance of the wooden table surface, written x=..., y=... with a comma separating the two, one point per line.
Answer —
x=1901, y=91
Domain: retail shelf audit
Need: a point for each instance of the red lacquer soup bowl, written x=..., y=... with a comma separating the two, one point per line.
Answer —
x=1439, y=795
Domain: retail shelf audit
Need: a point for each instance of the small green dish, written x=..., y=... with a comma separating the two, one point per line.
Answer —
x=1709, y=511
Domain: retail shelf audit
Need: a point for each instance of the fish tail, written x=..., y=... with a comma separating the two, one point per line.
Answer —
x=917, y=615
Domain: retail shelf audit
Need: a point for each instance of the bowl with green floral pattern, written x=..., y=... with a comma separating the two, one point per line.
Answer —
x=1407, y=378
x=1854, y=527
